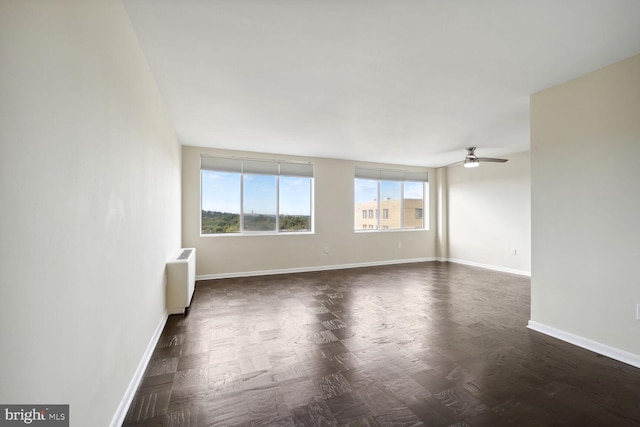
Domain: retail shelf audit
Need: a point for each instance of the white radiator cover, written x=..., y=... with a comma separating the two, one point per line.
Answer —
x=181, y=280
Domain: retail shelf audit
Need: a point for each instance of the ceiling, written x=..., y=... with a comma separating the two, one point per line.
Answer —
x=408, y=82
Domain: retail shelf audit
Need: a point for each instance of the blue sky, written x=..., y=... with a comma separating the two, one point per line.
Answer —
x=366, y=190
x=221, y=192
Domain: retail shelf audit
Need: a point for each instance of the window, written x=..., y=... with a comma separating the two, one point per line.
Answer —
x=401, y=195
x=254, y=196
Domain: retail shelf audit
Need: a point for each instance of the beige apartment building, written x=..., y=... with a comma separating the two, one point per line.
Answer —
x=366, y=214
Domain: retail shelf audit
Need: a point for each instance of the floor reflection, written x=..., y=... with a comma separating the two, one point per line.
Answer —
x=414, y=344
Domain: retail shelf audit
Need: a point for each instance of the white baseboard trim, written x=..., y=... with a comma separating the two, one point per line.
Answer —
x=310, y=269
x=489, y=267
x=123, y=408
x=603, y=349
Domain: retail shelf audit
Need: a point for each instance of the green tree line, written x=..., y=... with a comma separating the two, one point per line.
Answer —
x=214, y=222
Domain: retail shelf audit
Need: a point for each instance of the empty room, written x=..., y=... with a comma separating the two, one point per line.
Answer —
x=310, y=213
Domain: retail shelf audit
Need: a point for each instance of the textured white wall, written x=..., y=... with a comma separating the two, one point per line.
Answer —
x=585, y=146
x=90, y=200
x=489, y=214
x=236, y=255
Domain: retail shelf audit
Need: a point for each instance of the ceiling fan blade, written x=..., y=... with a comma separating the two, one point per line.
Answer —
x=453, y=164
x=489, y=159
x=474, y=160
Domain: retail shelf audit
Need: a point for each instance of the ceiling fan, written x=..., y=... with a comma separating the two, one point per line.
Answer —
x=471, y=160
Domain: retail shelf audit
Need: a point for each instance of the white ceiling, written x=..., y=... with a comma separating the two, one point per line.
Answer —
x=396, y=81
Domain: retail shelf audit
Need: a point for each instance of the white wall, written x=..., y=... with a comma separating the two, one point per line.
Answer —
x=489, y=214
x=221, y=255
x=90, y=200
x=585, y=146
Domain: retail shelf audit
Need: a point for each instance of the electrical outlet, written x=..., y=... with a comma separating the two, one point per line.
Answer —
x=327, y=249
x=399, y=245
x=513, y=252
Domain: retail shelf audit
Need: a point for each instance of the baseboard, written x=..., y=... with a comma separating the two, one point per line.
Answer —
x=310, y=269
x=489, y=267
x=603, y=349
x=123, y=408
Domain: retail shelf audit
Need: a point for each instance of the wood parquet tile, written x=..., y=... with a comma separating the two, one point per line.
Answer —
x=425, y=344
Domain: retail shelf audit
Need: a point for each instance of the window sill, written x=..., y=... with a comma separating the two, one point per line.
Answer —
x=392, y=230
x=259, y=233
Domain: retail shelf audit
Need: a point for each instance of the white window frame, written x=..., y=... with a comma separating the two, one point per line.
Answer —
x=250, y=166
x=402, y=176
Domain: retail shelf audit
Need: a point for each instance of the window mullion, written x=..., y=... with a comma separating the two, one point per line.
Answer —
x=402, y=204
x=277, y=203
x=378, y=208
x=241, y=202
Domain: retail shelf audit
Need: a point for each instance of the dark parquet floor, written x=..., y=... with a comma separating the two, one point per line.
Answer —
x=432, y=344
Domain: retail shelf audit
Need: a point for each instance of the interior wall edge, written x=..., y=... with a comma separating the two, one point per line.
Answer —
x=125, y=403
x=490, y=267
x=594, y=346
x=312, y=269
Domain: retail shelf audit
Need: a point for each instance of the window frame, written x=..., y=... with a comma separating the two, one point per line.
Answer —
x=290, y=168
x=380, y=176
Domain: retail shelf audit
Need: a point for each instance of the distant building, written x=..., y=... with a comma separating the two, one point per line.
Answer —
x=366, y=214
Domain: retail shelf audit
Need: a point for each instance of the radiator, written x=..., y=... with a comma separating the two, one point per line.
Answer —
x=181, y=280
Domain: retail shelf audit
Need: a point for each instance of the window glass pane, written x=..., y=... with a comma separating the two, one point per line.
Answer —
x=259, y=202
x=295, y=203
x=220, y=202
x=413, y=204
x=252, y=195
x=387, y=199
x=391, y=204
x=366, y=201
